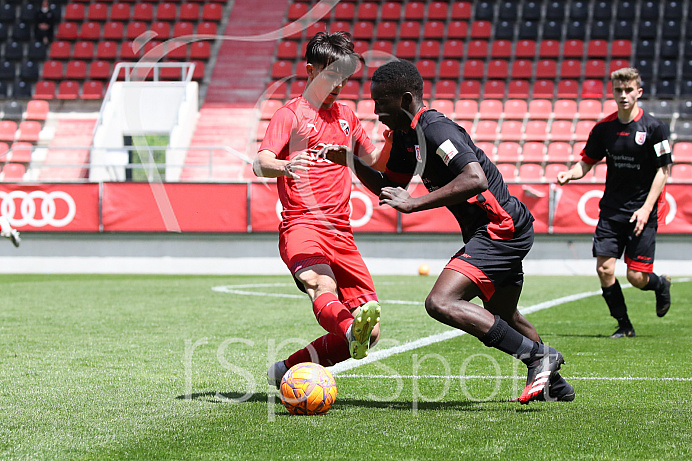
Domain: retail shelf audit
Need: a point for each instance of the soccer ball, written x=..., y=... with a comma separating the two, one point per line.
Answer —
x=308, y=389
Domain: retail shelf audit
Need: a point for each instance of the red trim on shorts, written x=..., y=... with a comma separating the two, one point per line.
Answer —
x=354, y=303
x=639, y=266
x=311, y=261
x=475, y=274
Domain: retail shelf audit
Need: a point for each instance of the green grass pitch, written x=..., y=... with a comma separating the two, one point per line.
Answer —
x=98, y=367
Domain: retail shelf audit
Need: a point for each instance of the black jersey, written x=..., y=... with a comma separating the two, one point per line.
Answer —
x=633, y=152
x=438, y=156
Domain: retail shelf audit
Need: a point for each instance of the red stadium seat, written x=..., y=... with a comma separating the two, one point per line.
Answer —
x=364, y=30
x=130, y=51
x=508, y=152
x=444, y=106
x=515, y=109
x=113, y=30
x=385, y=46
x=68, y=89
x=83, y=50
x=365, y=109
x=599, y=172
x=540, y=109
x=583, y=129
x=567, y=89
x=92, y=90
x=621, y=49
x=552, y=169
x=536, y=130
x=107, y=50
x=200, y=69
x=577, y=150
x=559, y=152
x=494, y=89
x=446, y=89
x=512, y=130
x=453, y=49
x=406, y=49
x=458, y=30
x=592, y=88
x=161, y=29
x=573, y=49
x=391, y=11
x=481, y=29
x=565, y=109
x=570, y=68
x=549, y=49
x=490, y=109
x=438, y=10
x=20, y=152
x=67, y=31
x=533, y=151
x=143, y=12
x=90, y=30
x=595, y=68
x=166, y=11
x=561, y=130
x=76, y=70
x=97, y=11
x=519, y=89
x=409, y=30
x=367, y=11
x=13, y=172
x=212, y=11
x=200, y=50
x=681, y=173
x=597, y=49
x=190, y=12
x=682, y=151
x=508, y=171
x=530, y=172
x=120, y=11
x=429, y=49
x=486, y=130
x=36, y=110
x=385, y=30
x=135, y=29
x=100, y=70
x=28, y=131
x=589, y=109
x=344, y=11
x=488, y=148
x=434, y=29
x=609, y=107
x=8, y=130
x=44, y=90
x=525, y=49
x=543, y=88
x=470, y=89
x=477, y=49
x=461, y=10
x=465, y=109
x=297, y=10
x=546, y=68
x=449, y=69
x=281, y=69
x=185, y=28
x=53, y=70
x=412, y=10
x=60, y=49
x=427, y=68
x=74, y=12
x=474, y=68
x=501, y=49
x=522, y=68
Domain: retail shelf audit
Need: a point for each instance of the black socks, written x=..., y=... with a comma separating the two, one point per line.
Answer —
x=505, y=338
x=616, y=304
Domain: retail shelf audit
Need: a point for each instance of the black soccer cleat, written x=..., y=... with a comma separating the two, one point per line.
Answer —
x=663, y=296
x=544, y=370
x=623, y=332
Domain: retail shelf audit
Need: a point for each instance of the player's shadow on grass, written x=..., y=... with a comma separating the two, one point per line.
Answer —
x=442, y=405
x=226, y=397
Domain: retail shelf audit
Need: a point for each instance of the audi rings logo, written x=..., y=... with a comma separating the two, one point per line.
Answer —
x=38, y=208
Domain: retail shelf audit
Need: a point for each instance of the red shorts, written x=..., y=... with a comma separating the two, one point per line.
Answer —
x=302, y=247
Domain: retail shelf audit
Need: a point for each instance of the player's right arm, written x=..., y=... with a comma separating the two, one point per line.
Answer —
x=267, y=165
x=578, y=171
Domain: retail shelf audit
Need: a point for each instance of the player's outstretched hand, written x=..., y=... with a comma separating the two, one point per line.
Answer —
x=335, y=153
x=397, y=198
x=563, y=177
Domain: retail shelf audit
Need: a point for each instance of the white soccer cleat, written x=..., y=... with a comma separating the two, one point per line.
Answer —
x=275, y=373
x=7, y=231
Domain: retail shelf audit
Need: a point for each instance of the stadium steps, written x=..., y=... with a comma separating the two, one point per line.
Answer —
x=69, y=132
x=227, y=116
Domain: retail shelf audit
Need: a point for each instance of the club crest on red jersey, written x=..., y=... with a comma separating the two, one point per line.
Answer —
x=418, y=157
x=640, y=137
x=345, y=127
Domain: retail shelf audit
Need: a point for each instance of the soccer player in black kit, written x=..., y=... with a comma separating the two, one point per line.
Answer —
x=637, y=152
x=497, y=228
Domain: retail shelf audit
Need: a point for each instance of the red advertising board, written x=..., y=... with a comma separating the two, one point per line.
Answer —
x=174, y=207
x=51, y=207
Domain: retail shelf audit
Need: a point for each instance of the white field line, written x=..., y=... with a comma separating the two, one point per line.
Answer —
x=480, y=377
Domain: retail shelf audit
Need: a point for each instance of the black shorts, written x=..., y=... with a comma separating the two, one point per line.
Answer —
x=612, y=238
x=492, y=263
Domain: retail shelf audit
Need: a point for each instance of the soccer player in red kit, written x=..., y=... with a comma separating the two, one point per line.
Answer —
x=637, y=151
x=497, y=228
x=315, y=237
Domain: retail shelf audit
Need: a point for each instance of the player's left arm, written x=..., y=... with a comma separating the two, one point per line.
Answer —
x=663, y=156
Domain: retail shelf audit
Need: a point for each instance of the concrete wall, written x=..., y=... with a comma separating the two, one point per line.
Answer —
x=258, y=254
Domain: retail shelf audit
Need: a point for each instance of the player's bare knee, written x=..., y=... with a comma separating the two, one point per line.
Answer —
x=637, y=279
x=437, y=306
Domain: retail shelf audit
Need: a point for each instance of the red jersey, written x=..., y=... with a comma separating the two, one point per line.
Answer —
x=320, y=197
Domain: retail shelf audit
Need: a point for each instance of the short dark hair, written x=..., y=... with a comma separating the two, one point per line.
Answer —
x=335, y=49
x=398, y=77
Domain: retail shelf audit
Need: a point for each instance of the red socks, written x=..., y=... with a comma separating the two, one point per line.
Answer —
x=328, y=350
x=332, y=315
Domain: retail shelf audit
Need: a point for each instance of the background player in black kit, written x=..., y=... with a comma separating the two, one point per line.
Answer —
x=497, y=228
x=637, y=152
